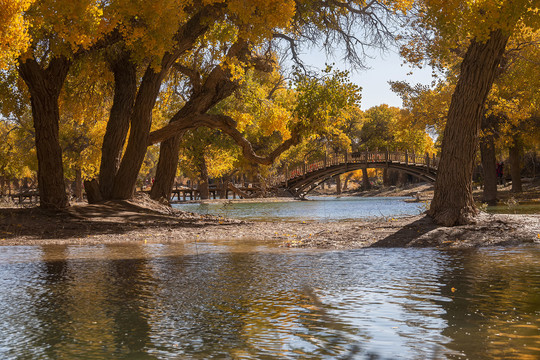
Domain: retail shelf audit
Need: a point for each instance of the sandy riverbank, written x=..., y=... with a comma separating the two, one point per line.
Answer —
x=144, y=221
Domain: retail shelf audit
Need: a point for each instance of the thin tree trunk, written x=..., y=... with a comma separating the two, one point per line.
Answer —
x=487, y=152
x=386, y=177
x=204, y=190
x=78, y=188
x=453, y=203
x=338, y=184
x=346, y=180
x=515, y=165
x=125, y=88
x=366, y=185
x=44, y=87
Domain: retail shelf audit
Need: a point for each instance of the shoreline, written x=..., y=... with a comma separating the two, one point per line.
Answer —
x=143, y=221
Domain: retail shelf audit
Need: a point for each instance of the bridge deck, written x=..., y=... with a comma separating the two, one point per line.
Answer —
x=306, y=177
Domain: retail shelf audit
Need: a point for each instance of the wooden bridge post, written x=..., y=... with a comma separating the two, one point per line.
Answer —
x=386, y=156
x=325, y=158
x=406, y=157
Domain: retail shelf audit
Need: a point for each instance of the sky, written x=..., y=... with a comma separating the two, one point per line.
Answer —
x=374, y=80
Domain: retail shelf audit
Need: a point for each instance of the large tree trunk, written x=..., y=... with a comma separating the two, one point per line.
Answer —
x=217, y=87
x=487, y=153
x=125, y=88
x=453, y=203
x=44, y=87
x=141, y=120
x=515, y=165
x=141, y=116
x=166, y=168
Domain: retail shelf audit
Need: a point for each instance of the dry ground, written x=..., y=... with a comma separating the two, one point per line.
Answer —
x=143, y=220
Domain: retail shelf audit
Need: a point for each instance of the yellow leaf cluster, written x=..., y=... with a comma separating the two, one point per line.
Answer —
x=258, y=18
x=14, y=37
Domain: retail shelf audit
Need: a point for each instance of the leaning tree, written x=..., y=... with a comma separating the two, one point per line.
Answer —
x=485, y=26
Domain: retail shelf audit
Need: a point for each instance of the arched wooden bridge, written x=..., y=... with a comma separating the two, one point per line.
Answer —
x=306, y=177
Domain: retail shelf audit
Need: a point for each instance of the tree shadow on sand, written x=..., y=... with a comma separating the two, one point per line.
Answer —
x=111, y=217
x=410, y=234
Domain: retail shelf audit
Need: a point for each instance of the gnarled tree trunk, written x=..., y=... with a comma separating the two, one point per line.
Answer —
x=217, y=87
x=141, y=116
x=125, y=88
x=44, y=86
x=453, y=203
x=141, y=119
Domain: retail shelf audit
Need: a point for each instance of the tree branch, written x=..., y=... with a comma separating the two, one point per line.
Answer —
x=228, y=126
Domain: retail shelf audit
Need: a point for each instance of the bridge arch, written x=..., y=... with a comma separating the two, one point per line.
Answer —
x=306, y=178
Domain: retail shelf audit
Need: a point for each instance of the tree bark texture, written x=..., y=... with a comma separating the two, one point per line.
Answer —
x=44, y=86
x=125, y=88
x=166, y=168
x=515, y=153
x=141, y=116
x=217, y=87
x=487, y=152
x=453, y=203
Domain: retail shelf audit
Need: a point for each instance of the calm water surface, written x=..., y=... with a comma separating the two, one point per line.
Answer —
x=326, y=208
x=246, y=300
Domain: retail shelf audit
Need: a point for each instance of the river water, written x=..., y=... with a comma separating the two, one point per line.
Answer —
x=256, y=300
x=249, y=300
x=328, y=208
